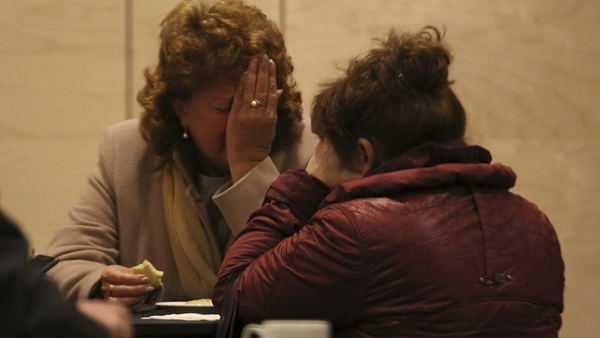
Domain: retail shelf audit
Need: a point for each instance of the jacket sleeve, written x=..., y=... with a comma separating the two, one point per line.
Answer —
x=293, y=267
x=88, y=242
x=236, y=202
x=239, y=200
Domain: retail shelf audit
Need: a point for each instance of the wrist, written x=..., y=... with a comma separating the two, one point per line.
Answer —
x=241, y=169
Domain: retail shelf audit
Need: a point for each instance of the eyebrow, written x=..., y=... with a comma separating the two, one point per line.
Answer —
x=222, y=97
x=219, y=100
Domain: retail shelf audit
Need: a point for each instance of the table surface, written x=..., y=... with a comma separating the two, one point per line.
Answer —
x=154, y=328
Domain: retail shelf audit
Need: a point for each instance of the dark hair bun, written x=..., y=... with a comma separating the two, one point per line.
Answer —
x=415, y=63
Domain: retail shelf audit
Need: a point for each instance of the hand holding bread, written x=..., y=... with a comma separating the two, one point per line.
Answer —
x=130, y=286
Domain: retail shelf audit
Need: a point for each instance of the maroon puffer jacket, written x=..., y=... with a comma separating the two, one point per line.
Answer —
x=432, y=244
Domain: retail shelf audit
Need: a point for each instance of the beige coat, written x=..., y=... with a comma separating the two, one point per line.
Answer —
x=119, y=219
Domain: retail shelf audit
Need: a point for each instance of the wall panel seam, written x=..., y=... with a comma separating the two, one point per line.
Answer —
x=129, y=59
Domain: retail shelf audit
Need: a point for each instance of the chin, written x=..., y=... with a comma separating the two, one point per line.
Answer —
x=216, y=166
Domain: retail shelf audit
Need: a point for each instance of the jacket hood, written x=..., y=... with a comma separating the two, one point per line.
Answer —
x=428, y=166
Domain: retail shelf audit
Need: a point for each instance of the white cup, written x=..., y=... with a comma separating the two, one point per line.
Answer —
x=288, y=329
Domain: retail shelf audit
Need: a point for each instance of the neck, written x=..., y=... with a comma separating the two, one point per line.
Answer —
x=196, y=162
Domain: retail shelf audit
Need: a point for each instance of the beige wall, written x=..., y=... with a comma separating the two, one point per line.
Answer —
x=527, y=72
x=61, y=84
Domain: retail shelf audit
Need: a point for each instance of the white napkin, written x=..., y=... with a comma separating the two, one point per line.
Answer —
x=185, y=316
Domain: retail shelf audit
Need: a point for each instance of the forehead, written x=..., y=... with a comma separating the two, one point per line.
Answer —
x=216, y=91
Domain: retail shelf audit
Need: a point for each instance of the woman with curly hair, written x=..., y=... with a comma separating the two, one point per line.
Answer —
x=222, y=118
x=397, y=227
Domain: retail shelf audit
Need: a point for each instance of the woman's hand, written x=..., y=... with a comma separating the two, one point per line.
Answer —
x=122, y=285
x=251, y=127
x=326, y=165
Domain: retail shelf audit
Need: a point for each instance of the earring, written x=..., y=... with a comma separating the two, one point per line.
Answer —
x=185, y=134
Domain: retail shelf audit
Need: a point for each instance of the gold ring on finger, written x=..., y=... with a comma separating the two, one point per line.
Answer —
x=255, y=103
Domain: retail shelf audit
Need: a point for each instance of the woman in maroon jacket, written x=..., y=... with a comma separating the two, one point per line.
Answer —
x=397, y=228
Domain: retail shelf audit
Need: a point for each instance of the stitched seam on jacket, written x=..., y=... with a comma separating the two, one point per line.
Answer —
x=486, y=271
x=276, y=279
x=363, y=254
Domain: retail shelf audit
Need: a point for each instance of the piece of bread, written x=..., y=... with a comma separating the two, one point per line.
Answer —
x=154, y=276
x=203, y=301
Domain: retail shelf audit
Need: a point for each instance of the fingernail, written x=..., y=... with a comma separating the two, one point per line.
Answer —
x=265, y=58
x=145, y=279
x=272, y=63
x=150, y=288
x=253, y=62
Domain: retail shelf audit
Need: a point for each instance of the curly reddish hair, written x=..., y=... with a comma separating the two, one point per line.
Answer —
x=202, y=44
x=398, y=97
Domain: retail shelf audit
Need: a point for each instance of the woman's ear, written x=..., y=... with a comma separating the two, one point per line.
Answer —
x=366, y=156
x=178, y=106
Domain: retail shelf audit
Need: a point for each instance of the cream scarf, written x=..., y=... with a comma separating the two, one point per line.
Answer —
x=188, y=239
